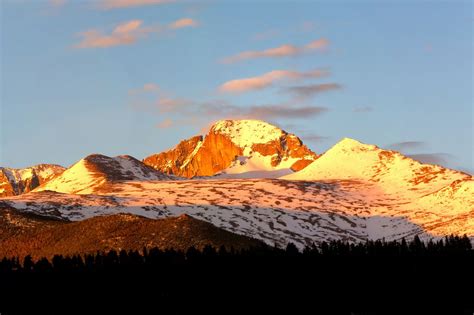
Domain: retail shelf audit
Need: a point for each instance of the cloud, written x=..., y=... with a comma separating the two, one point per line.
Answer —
x=313, y=138
x=281, y=51
x=363, y=109
x=307, y=91
x=466, y=170
x=166, y=123
x=120, y=4
x=267, y=79
x=432, y=158
x=222, y=109
x=407, y=145
x=126, y=33
x=181, y=23
x=219, y=109
x=151, y=87
x=274, y=111
x=169, y=104
x=187, y=111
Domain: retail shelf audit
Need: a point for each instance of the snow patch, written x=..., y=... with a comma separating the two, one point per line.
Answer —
x=255, y=165
x=246, y=132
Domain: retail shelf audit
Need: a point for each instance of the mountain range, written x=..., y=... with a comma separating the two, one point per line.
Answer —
x=253, y=179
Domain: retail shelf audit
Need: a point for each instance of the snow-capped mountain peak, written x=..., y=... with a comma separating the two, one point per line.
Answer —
x=349, y=144
x=237, y=148
x=390, y=170
x=247, y=132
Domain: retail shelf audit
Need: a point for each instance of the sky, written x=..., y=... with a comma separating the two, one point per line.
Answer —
x=138, y=76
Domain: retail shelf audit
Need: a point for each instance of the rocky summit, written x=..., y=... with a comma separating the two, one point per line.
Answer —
x=235, y=147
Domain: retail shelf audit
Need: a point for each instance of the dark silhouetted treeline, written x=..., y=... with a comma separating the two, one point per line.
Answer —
x=337, y=277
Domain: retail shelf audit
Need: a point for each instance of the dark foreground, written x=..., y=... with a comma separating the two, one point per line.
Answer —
x=336, y=278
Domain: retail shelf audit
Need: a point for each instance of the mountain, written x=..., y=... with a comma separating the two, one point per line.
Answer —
x=424, y=192
x=22, y=234
x=236, y=148
x=16, y=181
x=352, y=192
x=397, y=174
x=96, y=172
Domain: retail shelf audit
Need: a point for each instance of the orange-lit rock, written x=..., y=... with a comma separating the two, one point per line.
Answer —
x=18, y=181
x=226, y=141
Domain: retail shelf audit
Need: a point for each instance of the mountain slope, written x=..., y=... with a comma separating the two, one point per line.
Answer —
x=235, y=147
x=96, y=172
x=18, y=181
x=120, y=231
x=390, y=170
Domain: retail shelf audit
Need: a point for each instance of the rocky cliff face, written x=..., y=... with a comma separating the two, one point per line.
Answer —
x=262, y=145
x=18, y=181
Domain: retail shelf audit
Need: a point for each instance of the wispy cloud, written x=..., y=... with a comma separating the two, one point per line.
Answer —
x=123, y=34
x=270, y=111
x=223, y=109
x=308, y=91
x=432, y=158
x=267, y=80
x=218, y=109
x=314, y=138
x=126, y=33
x=181, y=23
x=166, y=123
x=169, y=104
x=363, y=109
x=176, y=110
x=466, y=170
x=120, y=4
x=281, y=51
x=407, y=145
x=412, y=150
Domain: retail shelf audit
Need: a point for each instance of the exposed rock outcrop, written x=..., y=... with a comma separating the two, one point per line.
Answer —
x=15, y=181
x=228, y=140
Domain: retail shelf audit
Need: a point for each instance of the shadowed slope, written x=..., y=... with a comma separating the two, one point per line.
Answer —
x=42, y=237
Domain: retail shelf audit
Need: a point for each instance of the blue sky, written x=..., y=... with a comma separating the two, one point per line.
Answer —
x=136, y=77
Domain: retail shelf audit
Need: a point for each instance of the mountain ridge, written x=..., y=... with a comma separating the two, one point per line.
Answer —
x=96, y=171
x=353, y=191
x=16, y=181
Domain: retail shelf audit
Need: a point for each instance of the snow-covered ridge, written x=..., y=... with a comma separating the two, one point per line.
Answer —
x=247, y=132
x=351, y=159
x=275, y=211
x=94, y=171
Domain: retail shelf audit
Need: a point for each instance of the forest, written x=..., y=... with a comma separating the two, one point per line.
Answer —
x=364, y=278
